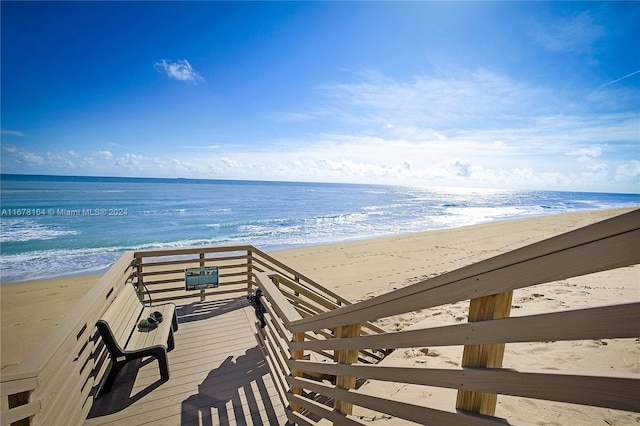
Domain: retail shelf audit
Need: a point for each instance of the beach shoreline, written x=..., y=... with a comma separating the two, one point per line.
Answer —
x=69, y=240
x=362, y=269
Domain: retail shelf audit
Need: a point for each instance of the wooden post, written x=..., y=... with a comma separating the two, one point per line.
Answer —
x=484, y=356
x=138, y=274
x=297, y=390
x=349, y=356
x=249, y=273
x=202, y=296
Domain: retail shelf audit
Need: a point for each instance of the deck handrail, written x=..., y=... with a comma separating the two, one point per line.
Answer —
x=66, y=364
x=488, y=284
x=17, y=387
x=316, y=341
x=58, y=381
x=604, y=245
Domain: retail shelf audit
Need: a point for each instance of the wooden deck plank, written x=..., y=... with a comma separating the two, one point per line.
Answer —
x=218, y=376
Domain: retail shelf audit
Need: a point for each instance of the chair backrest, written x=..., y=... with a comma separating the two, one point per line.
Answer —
x=122, y=314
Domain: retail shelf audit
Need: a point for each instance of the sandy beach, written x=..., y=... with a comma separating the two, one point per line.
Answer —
x=363, y=269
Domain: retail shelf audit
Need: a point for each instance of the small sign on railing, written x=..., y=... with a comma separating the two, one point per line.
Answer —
x=201, y=278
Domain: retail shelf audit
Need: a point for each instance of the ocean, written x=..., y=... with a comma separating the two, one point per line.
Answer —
x=54, y=226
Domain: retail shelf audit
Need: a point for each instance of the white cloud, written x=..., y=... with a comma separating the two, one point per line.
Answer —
x=22, y=156
x=593, y=151
x=60, y=159
x=130, y=160
x=179, y=70
x=576, y=34
x=587, y=157
x=158, y=166
x=450, y=101
x=293, y=116
x=358, y=160
x=468, y=126
x=526, y=174
x=206, y=147
x=629, y=172
x=228, y=162
x=11, y=132
x=104, y=155
x=459, y=168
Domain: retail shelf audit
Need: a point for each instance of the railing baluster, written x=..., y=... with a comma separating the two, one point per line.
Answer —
x=349, y=356
x=249, y=272
x=138, y=275
x=297, y=355
x=484, y=356
x=202, y=292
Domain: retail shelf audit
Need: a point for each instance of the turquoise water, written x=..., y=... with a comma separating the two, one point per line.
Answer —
x=55, y=226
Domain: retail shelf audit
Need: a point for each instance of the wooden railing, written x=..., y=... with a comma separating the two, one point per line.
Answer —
x=58, y=382
x=488, y=285
x=318, y=345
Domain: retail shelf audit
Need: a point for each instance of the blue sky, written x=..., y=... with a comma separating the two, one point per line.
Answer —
x=524, y=95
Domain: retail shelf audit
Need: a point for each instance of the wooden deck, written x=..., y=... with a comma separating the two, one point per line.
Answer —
x=218, y=376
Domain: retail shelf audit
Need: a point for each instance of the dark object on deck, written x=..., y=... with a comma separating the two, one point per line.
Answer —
x=258, y=306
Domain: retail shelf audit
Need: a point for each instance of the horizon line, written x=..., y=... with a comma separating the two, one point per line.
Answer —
x=183, y=179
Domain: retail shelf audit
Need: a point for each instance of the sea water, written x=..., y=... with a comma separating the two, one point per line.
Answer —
x=54, y=226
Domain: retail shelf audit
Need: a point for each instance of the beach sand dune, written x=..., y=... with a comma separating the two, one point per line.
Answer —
x=360, y=270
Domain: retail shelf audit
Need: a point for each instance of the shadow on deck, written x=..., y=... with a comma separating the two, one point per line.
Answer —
x=218, y=376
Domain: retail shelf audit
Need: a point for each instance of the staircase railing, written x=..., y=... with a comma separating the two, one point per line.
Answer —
x=291, y=337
